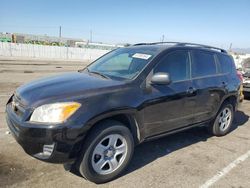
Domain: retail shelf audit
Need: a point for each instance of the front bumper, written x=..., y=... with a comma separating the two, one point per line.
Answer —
x=64, y=141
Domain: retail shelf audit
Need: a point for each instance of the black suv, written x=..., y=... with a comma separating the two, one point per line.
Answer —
x=92, y=119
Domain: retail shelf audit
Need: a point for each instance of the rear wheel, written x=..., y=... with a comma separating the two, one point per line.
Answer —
x=107, y=152
x=223, y=121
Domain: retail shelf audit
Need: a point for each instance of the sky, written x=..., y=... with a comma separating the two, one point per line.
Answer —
x=212, y=22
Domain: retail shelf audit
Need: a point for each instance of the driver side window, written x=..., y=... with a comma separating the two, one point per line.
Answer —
x=176, y=64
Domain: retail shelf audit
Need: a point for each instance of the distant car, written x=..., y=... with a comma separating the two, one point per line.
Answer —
x=246, y=77
x=241, y=85
x=92, y=119
x=246, y=84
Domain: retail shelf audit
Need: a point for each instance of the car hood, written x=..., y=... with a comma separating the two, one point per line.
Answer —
x=64, y=86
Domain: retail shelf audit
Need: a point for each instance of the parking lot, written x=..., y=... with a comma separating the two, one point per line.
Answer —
x=189, y=159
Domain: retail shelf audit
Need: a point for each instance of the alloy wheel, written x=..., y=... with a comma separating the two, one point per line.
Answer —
x=109, y=154
x=225, y=117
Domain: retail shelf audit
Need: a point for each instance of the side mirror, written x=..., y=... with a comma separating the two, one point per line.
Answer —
x=161, y=78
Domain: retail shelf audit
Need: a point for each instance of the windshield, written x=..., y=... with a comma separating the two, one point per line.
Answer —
x=125, y=63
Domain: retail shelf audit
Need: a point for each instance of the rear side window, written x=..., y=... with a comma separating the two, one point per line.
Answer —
x=225, y=63
x=177, y=64
x=203, y=64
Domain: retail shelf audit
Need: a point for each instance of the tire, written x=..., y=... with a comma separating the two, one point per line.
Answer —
x=107, y=152
x=222, y=124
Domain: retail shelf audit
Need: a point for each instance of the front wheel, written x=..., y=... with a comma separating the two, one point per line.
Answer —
x=108, y=150
x=223, y=121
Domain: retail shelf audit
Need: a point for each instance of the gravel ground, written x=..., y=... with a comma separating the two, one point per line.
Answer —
x=186, y=159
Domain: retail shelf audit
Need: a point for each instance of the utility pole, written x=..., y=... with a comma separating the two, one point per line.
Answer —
x=162, y=38
x=90, y=36
x=60, y=32
x=230, y=48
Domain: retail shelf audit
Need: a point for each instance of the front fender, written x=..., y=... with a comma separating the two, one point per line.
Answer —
x=132, y=117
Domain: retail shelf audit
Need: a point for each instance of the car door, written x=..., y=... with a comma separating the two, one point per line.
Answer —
x=170, y=107
x=207, y=83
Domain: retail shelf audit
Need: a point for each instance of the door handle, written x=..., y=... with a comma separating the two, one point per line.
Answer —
x=191, y=90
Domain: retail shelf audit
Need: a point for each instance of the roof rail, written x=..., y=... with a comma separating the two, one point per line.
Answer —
x=184, y=44
x=154, y=43
x=201, y=45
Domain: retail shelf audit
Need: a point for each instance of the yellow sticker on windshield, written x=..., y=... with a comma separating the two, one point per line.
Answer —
x=141, y=56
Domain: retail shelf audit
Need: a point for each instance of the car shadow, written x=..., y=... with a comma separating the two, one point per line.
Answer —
x=147, y=152
x=240, y=119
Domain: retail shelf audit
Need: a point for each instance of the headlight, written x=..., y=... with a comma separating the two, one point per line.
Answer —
x=54, y=113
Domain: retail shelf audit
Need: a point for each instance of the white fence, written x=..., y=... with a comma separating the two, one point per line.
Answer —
x=52, y=52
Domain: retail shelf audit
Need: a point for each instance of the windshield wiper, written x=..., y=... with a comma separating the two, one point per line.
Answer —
x=81, y=70
x=98, y=73
x=86, y=69
x=94, y=72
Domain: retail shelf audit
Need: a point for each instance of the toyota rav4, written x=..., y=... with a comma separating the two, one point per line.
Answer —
x=91, y=120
